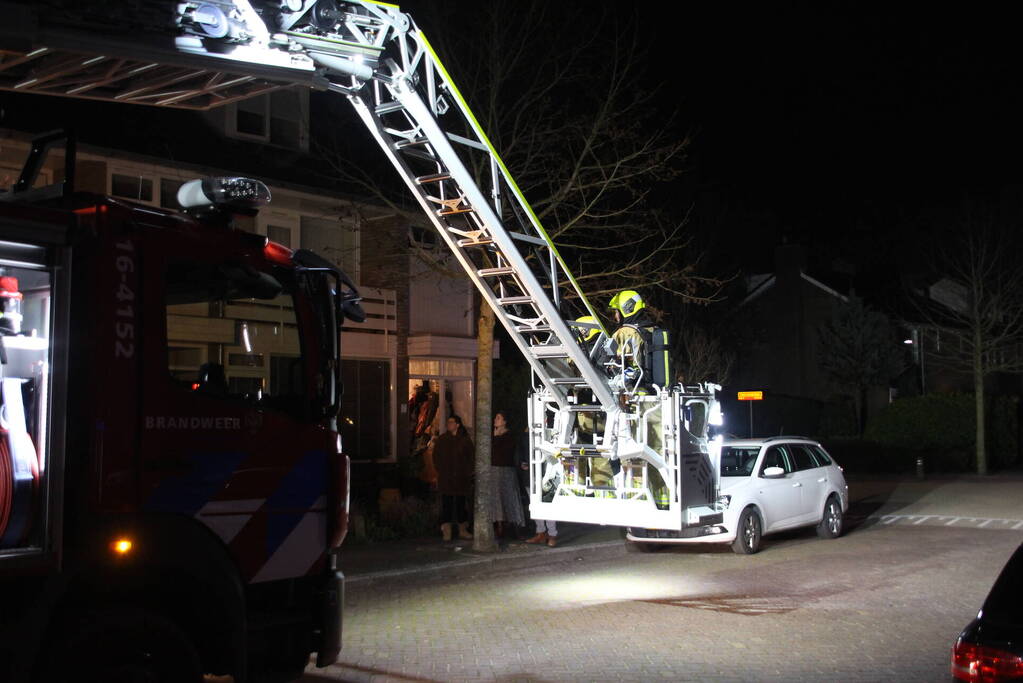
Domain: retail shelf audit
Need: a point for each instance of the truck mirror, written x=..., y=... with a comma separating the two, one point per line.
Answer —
x=351, y=309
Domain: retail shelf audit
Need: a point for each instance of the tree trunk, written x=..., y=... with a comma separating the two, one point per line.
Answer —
x=483, y=527
x=978, y=397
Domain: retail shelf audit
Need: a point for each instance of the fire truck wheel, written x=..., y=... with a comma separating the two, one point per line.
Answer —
x=122, y=644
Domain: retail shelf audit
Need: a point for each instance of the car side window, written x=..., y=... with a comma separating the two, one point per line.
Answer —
x=823, y=458
x=776, y=457
x=804, y=460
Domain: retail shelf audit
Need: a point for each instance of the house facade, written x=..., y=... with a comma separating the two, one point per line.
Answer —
x=420, y=325
x=776, y=325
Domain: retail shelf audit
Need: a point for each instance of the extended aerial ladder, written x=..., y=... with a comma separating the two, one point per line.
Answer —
x=202, y=54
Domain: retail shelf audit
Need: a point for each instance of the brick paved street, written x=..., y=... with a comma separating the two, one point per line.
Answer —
x=883, y=602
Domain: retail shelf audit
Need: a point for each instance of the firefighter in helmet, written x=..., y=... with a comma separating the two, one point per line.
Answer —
x=641, y=349
x=627, y=306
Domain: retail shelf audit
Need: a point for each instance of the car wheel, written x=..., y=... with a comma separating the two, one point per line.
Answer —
x=748, y=533
x=831, y=524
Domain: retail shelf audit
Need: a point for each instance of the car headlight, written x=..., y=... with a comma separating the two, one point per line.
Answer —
x=723, y=501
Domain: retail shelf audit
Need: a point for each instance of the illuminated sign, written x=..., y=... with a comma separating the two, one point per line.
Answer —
x=751, y=396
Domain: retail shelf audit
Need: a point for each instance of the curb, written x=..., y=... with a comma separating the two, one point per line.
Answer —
x=468, y=563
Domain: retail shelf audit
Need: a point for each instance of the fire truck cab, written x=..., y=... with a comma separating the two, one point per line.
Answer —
x=161, y=514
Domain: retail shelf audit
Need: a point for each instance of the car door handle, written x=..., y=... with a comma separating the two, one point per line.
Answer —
x=822, y=480
x=796, y=485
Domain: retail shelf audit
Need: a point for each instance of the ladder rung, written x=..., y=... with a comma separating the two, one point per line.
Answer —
x=486, y=241
x=533, y=329
x=569, y=381
x=434, y=178
x=549, y=351
x=419, y=154
x=513, y=300
x=451, y=212
x=588, y=408
x=405, y=144
x=491, y=272
x=528, y=238
x=389, y=107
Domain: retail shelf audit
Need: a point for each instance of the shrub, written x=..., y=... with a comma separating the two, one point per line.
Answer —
x=929, y=422
x=942, y=429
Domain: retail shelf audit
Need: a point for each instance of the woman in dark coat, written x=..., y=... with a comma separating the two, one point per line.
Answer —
x=453, y=455
x=506, y=505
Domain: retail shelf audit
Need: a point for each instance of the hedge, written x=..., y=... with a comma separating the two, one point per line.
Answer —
x=942, y=427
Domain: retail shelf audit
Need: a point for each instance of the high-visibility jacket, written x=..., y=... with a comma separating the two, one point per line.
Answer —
x=647, y=347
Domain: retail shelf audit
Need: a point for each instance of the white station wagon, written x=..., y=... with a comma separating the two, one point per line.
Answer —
x=768, y=485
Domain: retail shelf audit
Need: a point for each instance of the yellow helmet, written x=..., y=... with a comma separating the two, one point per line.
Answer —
x=628, y=303
x=588, y=333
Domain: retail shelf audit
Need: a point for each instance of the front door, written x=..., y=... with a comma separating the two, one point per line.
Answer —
x=780, y=496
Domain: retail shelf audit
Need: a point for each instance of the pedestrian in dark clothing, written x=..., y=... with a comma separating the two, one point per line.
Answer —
x=506, y=506
x=453, y=455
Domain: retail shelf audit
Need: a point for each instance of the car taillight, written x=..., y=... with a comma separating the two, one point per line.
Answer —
x=980, y=664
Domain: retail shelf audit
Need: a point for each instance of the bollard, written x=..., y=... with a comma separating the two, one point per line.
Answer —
x=919, y=468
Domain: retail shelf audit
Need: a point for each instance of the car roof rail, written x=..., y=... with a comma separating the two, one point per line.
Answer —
x=788, y=437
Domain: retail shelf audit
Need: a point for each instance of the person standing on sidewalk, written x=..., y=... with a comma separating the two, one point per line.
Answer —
x=453, y=455
x=546, y=530
x=505, y=506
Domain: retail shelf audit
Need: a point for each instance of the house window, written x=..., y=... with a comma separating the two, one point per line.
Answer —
x=169, y=193
x=137, y=187
x=366, y=409
x=333, y=240
x=279, y=234
x=280, y=118
x=250, y=118
x=289, y=117
x=280, y=226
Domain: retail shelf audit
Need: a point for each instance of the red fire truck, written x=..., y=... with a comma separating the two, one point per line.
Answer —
x=160, y=518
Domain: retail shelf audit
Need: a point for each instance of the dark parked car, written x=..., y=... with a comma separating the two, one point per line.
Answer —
x=990, y=648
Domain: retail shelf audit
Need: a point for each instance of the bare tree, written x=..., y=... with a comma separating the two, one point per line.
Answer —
x=858, y=350
x=702, y=355
x=559, y=91
x=975, y=310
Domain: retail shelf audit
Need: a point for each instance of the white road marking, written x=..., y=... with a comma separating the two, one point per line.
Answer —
x=946, y=520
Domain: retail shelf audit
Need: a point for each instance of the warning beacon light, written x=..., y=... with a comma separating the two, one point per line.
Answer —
x=231, y=194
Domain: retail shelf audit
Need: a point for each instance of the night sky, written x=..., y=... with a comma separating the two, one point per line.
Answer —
x=848, y=128
x=855, y=131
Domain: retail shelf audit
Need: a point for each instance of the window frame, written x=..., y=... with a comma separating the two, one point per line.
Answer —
x=302, y=411
x=804, y=448
x=391, y=405
x=788, y=463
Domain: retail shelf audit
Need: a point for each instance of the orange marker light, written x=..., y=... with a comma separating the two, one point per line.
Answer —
x=122, y=546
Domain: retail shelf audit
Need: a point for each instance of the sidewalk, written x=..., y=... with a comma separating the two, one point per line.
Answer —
x=365, y=561
x=998, y=496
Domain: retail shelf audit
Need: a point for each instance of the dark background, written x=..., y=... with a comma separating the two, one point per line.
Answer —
x=855, y=130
